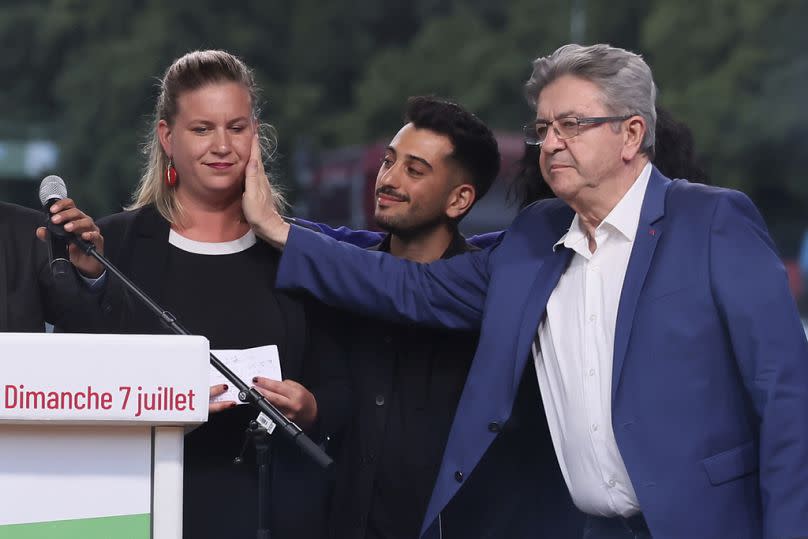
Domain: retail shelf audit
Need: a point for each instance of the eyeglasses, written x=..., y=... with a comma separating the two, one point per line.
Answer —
x=564, y=128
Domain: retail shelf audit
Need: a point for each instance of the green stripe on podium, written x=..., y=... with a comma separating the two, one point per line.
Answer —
x=120, y=527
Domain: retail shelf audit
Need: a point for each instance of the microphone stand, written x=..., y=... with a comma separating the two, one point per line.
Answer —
x=273, y=419
x=263, y=459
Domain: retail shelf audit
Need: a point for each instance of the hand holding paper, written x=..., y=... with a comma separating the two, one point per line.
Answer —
x=246, y=364
x=291, y=398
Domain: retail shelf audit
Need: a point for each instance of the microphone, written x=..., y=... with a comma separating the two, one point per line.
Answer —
x=51, y=190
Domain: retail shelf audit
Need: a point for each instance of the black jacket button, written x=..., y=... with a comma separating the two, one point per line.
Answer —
x=459, y=476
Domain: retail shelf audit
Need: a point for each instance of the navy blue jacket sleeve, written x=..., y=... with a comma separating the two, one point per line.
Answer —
x=369, y=238
x=360, y=238
x=446, y=293
x=486, y=240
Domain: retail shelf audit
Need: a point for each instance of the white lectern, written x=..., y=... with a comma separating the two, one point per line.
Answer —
x=91, y=433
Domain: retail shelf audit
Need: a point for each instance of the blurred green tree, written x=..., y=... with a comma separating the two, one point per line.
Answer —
x=736, y=74
x=337, y=73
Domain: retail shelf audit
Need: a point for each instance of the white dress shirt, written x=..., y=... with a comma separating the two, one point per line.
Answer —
x=573, y=356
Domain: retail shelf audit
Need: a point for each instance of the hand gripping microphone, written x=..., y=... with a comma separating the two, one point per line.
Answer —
x=51, y=190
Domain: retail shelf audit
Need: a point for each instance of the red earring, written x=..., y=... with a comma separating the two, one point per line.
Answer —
x=171, y=174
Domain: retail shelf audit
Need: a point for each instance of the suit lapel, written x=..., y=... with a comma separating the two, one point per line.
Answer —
x=649, y=231
x=545, y=280
x=542, y=268
x=546, y=273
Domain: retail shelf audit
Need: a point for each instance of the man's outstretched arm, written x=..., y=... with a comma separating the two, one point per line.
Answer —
x=447, y=293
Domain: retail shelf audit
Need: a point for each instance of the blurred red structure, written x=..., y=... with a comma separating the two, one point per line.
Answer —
x=794, y=278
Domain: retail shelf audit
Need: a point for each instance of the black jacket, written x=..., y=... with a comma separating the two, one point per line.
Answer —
x=28, y=294
x=406, y=384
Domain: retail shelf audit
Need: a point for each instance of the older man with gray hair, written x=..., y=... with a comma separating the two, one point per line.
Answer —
x=668, y=350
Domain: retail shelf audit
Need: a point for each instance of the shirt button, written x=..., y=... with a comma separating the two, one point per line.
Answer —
x=592, y=317
x=594, y=428
x=379, y=400
x=591, y=372
x=459, y=476
x=612, y=482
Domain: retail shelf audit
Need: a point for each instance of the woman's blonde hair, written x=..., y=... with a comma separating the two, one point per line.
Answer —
x=191, y=72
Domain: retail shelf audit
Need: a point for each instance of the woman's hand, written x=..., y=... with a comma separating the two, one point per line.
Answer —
x=215, y=391
x=291, y=398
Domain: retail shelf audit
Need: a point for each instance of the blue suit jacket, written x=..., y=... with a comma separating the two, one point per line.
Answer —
x=710, y=375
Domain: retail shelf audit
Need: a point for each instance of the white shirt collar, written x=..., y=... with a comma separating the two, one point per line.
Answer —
x=212, y=248
x=624, y=217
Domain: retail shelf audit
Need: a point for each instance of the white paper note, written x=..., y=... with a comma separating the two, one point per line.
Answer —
x=259, y=361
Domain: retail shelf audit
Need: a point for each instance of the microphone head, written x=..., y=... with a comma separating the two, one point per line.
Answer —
x=52, y=188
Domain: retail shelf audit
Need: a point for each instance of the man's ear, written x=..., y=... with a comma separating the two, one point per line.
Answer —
x=164, y=135
x=633, y=136
x=460, y=200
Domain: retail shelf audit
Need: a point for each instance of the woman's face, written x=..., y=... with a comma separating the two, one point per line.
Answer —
x=210, y=141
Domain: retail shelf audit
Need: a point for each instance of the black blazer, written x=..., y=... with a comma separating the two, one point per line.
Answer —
x=432, y=375
x=137, y=243
x=28, y=294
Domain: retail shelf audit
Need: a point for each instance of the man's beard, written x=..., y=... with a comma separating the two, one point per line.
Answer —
x=406, y=228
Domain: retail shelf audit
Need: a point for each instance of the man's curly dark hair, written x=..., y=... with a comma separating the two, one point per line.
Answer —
x=475, y=148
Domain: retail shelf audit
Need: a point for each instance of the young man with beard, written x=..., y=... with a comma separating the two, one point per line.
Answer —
x=407, y=380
